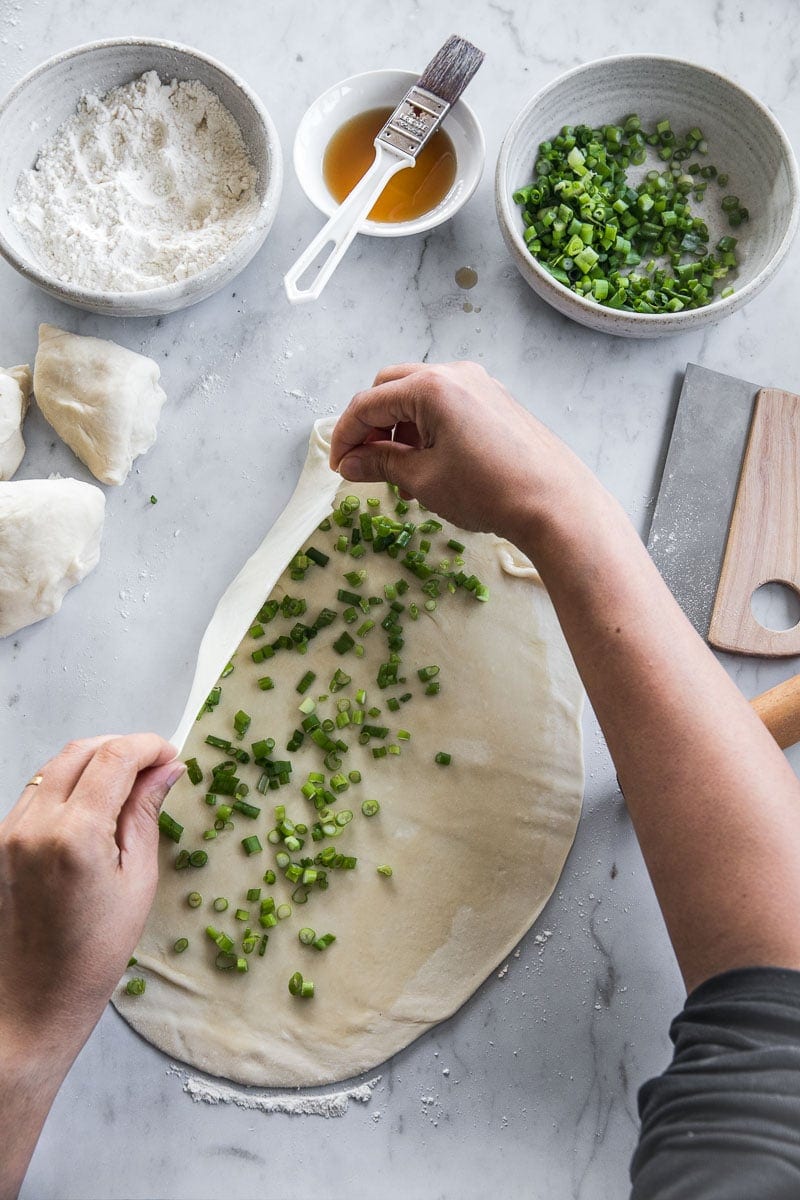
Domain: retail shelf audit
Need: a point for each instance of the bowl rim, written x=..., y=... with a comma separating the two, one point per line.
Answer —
x=418, y=224
x=81, y=296
x=721, y=306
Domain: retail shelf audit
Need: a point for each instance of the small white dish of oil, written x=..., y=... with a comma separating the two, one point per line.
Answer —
x=333, y=148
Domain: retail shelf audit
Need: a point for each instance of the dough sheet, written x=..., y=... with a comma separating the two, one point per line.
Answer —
x=476, y=847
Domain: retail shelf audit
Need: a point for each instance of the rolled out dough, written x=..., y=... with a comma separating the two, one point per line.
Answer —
x=476, y=848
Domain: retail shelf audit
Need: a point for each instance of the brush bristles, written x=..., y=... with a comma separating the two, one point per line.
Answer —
x=451, y=69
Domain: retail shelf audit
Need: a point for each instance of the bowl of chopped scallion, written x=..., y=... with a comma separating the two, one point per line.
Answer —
x=641, y=195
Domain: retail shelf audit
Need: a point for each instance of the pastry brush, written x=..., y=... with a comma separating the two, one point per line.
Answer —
x=415, y=120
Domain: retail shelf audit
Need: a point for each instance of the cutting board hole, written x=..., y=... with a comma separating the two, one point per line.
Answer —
x=776, y=606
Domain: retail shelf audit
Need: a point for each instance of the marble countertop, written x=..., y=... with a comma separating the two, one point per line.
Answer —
x=531, y=1087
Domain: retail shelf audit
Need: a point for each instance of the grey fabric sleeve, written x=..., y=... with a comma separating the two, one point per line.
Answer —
x=723, y=1121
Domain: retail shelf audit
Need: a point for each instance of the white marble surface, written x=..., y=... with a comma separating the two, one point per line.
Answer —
x=544, y=1064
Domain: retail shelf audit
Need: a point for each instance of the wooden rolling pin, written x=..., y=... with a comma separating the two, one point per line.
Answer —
x=779, y=709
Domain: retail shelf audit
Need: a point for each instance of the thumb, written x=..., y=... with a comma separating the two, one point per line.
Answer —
x=137, y=825
x=393, y=462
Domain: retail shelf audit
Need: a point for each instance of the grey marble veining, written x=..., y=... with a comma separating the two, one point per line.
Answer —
x=530, y=1088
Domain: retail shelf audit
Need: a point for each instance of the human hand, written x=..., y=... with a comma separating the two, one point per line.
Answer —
x=462, y=446
x=78, y=869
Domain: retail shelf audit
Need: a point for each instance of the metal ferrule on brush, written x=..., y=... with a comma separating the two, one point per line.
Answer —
x=416, y=118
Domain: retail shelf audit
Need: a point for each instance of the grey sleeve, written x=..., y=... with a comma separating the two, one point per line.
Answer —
x=723, y=1121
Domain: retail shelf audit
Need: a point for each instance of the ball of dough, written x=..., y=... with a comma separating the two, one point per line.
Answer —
x=103, y=400
x=15, y=393
x=50, y=533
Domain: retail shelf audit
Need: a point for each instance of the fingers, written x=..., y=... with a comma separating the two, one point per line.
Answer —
x=110, y=774
x=407, y=434
x=137, y=825
x=393, y=400
x=380, y=408
x=399, y=371
x=61, y=773
x=393, y=462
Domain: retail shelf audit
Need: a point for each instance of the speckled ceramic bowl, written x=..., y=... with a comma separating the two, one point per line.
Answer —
x=745, y=141
x=44, y=99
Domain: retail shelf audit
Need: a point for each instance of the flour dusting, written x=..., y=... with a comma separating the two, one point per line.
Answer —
x=331, y=1104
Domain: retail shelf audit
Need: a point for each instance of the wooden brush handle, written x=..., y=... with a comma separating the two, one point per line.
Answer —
x=779, y=709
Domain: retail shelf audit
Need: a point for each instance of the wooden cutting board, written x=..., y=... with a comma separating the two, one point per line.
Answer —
x=764, y=537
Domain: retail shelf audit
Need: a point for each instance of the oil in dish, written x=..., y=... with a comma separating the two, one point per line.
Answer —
x=408, y=194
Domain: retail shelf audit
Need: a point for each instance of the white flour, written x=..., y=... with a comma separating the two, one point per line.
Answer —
x=146, y=185
x=331, y=1104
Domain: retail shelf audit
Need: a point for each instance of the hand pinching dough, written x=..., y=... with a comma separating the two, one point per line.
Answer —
x=50, y=533
x=102, y=399
x=15, y=392
x=463, y=774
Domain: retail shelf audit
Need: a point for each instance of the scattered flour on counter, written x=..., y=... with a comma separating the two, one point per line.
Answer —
x=10, y=17
x=312, y=403
x=432, y=1109
x=210, y=383
x=144, y=186
x=331, y=1104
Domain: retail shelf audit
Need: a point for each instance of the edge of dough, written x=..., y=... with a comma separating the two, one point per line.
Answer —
x=232, y=617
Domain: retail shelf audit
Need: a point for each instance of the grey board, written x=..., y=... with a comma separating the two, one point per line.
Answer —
x=690, y=523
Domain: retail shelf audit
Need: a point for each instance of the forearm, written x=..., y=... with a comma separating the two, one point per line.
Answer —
x=78, y=870
x=715, y=805
x=28, y=1088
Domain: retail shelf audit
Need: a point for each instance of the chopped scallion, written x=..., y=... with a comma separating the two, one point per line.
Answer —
x=193, y=770
x=169, y=826
x=306, y=682
x=241, y=722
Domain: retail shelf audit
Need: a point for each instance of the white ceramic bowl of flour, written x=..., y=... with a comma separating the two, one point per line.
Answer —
x=41, y=102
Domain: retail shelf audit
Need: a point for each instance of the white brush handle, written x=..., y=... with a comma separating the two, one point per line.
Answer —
x=343, y=226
